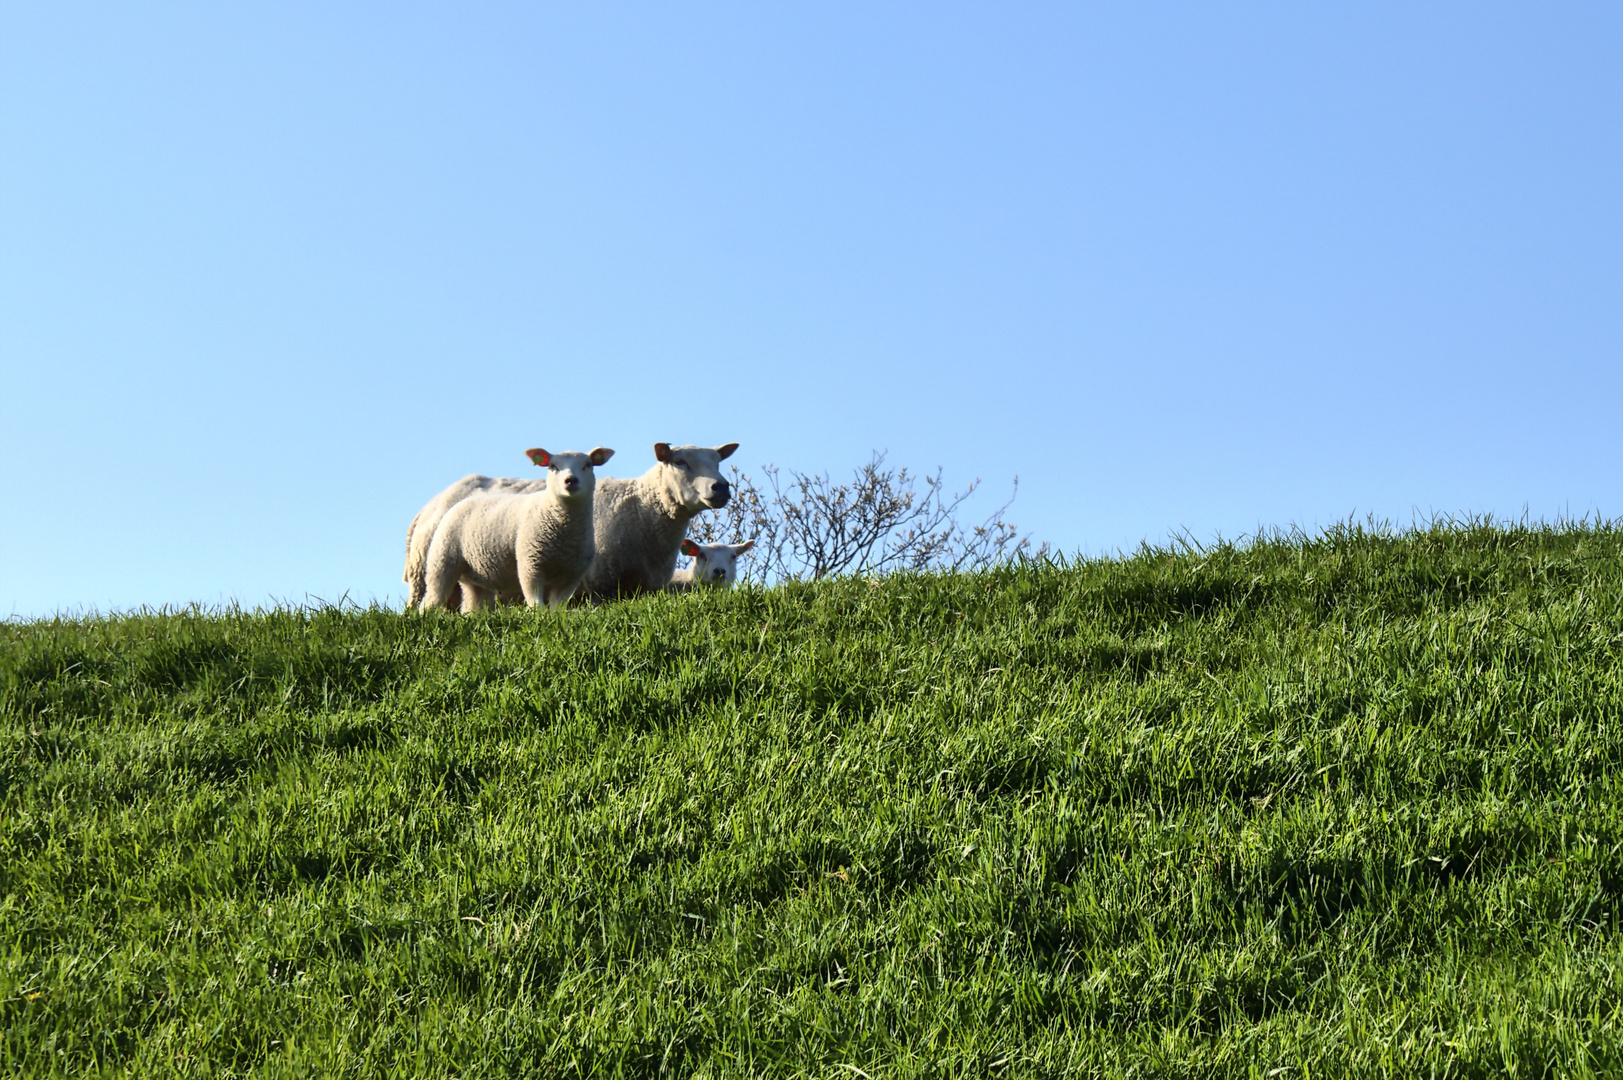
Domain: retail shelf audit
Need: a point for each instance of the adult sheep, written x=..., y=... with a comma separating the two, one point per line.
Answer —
x=538, y=545
x=641, y=522
x=713, y=564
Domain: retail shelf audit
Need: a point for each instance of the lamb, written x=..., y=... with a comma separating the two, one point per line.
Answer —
x=497, y=543
x=641, y=523
x=713, y=564
x=421, y=531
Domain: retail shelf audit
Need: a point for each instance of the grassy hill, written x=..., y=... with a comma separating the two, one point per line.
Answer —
x=1346, y=805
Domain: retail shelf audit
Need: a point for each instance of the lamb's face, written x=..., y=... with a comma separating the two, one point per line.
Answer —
x=570, y=475
x=715, y=564
x=692, y=475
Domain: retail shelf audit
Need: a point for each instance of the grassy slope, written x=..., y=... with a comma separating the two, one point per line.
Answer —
x=1349, y=804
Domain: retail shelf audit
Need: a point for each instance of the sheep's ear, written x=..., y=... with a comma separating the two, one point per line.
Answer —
x=662, y=451
x=739, y=549
x=725, y=452
x=689, y=548
x=539, y=456
x=600, y=455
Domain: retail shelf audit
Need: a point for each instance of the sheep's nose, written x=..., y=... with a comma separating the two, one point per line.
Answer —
x=721, y=487
x=571, y=483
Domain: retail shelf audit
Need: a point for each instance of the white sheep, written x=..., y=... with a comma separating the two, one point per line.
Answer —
x=421, y=531
x=713, y=564
x=641, y=523
x=497, y=544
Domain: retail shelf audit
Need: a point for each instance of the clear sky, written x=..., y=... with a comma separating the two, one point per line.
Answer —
x=271, y=275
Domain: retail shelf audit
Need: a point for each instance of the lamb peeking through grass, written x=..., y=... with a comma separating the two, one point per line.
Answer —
x=713, y=564
x=539, y=544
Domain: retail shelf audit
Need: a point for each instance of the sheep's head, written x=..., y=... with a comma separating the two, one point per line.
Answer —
x=570, y=475
x=691, y=475
x=715, y=564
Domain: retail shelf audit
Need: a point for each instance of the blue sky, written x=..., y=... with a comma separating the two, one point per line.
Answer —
x=272, y=275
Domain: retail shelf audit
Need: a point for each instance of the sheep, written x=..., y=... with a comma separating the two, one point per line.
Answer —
x=421, y=531
x=713, y=564
x=641, y=523
x=540, y=544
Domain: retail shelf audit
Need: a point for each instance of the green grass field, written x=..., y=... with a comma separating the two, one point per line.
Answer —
x=1340, y=806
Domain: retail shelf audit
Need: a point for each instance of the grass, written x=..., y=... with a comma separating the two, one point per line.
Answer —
x=1333, y=806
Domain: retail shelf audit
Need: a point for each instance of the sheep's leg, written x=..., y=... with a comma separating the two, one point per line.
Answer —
x=558, y=597
x=438, y=583
x=473, y=597
x=418, y=588
x=535, y=588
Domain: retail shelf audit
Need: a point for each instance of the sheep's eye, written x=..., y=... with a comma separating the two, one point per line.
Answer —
x=680, y=462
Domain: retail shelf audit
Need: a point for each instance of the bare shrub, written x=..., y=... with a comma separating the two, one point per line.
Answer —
x=879, y=521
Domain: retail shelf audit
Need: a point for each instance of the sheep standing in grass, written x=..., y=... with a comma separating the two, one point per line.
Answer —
x=713, y=564
x=540, y=544
x=641, y=523
x=421, y=531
